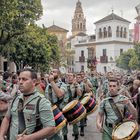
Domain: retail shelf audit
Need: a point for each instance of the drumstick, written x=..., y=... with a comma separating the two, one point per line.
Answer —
x=126, y=100
x=23, y=133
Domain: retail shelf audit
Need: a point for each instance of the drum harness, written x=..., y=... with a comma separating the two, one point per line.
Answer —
x=84, y=91
x=70, y=94
x=116, y=111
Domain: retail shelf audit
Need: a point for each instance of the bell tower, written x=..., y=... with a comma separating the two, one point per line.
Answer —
x=78, y=21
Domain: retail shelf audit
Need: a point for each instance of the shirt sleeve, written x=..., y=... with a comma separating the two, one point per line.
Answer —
x=63, y=87
x=46, y=114
x=101, y=106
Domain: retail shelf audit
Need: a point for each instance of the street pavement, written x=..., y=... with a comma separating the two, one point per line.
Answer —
x=91, y=132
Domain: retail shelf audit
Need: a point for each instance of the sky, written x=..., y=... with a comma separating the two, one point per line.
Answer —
x=61, y=12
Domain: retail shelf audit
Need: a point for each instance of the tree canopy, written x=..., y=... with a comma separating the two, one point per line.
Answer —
x=21, y=40
x=130, y=60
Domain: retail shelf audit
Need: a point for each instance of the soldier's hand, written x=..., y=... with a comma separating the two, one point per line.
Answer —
x=75, y=81
x=51, y=78
x=23, y=137
x=1, y=138
x=100, y=128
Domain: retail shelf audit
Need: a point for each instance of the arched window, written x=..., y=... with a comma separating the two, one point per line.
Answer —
x=117, y=31
x=109, y=32
x=81, y=25
x=125, y=33
x=100, y=33
x=84, y=26
x=121, y=32
x=105, y=32
x=77, y=26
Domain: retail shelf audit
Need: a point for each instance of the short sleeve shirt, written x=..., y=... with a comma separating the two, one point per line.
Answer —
x=107, y=110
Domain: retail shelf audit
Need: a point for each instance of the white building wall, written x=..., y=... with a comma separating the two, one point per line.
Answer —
x=78, y=64
x=112, y=50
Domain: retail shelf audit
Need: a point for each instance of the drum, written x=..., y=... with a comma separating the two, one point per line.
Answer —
x=74, y=111
x=90, y=104
x=125, y=131
x=88, y=94
x=59, y=118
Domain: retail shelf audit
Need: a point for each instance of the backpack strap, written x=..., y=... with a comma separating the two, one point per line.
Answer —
x=39, y=125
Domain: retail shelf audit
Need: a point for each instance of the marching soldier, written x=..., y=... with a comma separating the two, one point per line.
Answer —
x=112, y=109
x=56, y=92
x=84, y=89
x=94, y=81
x=73, y=92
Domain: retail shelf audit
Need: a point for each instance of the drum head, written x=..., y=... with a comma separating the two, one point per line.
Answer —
x=85, y=100
x=70, y=105
x=124, y=130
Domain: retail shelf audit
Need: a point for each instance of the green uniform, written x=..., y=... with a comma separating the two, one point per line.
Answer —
x=105, y=88
x=83, y=90
x=94, y=81
x=71, y=96
x=51, y=96
x=29, y=110
x=60, y=102
x=110, y=116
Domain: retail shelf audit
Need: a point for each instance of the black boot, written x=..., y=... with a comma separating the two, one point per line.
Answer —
x=65, y=137
x=76, y=137
x=82, y=131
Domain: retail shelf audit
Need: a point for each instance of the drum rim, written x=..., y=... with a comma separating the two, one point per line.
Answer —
x=74, y=103
x=128, y=137
x=54, y=107
x=88, y=97
x=61, y=125
x=93, y=110
x=79, y=118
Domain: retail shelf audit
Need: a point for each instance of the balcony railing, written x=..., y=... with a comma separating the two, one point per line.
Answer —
x=104, y=59
x=81, y=59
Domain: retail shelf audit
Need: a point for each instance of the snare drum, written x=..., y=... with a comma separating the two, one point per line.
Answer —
x=90, y=104
x=59, y=118
x=74, y=111
x=125, y=131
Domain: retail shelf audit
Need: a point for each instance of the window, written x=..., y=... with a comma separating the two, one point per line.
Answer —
x=121, y=51
x=117, y=31
x=104, y=52
x=121, y=32
x=84, y=26
x=105, y=70
x=100, y=33
x=105, y=32
x=109, y=32
x=82, y=53
x=77, y=26
x=82, y=68
x=81, y=25
x=125, y=33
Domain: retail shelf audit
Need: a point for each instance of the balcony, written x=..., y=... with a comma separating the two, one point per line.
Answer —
x=82, y=59
x=104, y=59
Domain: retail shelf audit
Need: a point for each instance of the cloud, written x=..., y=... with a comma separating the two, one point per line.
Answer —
x=62, y=11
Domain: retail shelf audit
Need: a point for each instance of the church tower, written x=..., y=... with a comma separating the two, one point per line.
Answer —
x=79, y=21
